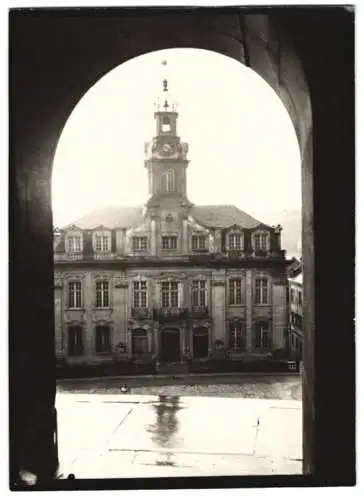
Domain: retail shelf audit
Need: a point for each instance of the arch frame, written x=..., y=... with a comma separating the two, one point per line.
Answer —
x=59, y=69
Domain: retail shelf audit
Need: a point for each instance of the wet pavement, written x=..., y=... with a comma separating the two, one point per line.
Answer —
x=285, y=387
x=104, y=435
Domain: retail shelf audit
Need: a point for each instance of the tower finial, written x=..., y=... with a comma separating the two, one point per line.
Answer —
x=165, y=81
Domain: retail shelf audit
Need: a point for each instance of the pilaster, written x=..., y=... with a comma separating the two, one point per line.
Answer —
x=153, y=236
x=279, y=311
x=88, y=298
x=249, y=309
x=185, y=236
x=218, y=306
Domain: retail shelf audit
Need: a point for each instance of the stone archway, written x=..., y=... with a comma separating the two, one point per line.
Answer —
x=57, y=59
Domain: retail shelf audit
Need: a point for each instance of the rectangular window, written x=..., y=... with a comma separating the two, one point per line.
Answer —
x=261, y=291
x=101, y=243
x=199, y=293
x=102, y=339
x=74, y=294
x=300, y=298
x=169, y=294
x=260, y=242
x=102, y=293
x=74, y=244
x=169, y=242
x=75, y=340
x=235, y=291
x=139, y=294
x=198, y=242
x=262, y=336
x=237, y=340
x=292, y=296
x=234, y=242
x=140, y=243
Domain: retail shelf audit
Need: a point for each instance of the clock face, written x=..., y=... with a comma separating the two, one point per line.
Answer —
x=166, y=149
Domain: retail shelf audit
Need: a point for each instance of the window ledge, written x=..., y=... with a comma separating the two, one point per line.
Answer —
x=75, y=309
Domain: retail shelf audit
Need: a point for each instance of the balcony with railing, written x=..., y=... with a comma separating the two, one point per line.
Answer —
x=103, y=255
x=199, y=312
x=235, y=254
x=169, y=313
x=68, y=256
x=141, y=312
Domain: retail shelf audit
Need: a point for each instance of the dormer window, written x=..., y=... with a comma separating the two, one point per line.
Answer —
x=235, y=241
x=261, y=242
x=199, y=242
x=101, y=243
x=140, y=243
x=74, y=244
x=169, y=242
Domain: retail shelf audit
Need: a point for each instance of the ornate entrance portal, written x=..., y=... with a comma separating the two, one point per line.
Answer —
x=170, y=349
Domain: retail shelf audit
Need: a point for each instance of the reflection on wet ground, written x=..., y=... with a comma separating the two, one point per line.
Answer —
x=165, y=427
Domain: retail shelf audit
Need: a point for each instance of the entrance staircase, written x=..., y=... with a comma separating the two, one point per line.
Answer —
x=172, y=368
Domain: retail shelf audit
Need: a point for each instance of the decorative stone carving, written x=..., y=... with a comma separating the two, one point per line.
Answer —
x=74, y=316
x=74, y=276
x=58, y=282
x=120, y=282
x=201, y=323
x=170, y=276
x=218, y=283
x=102, y=315
x=121, y=348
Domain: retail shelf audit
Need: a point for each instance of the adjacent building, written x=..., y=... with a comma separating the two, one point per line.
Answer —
x=170, y=279
x=296, y=315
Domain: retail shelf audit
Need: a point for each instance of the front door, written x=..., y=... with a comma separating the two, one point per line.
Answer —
x=200, y=343
x=170, y=345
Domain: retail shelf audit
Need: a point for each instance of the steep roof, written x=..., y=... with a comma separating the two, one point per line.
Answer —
x=219, y=216
x=110, y=217
x=223, y=216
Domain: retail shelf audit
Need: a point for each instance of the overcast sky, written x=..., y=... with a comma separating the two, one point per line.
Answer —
x=243, y=147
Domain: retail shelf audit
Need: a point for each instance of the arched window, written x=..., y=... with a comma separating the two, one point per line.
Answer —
x=166, y=124
x=170, y=180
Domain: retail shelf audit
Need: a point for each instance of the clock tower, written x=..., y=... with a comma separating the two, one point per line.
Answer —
x=166, y=155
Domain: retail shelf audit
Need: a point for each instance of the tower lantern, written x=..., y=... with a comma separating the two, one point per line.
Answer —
x=166, y=155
